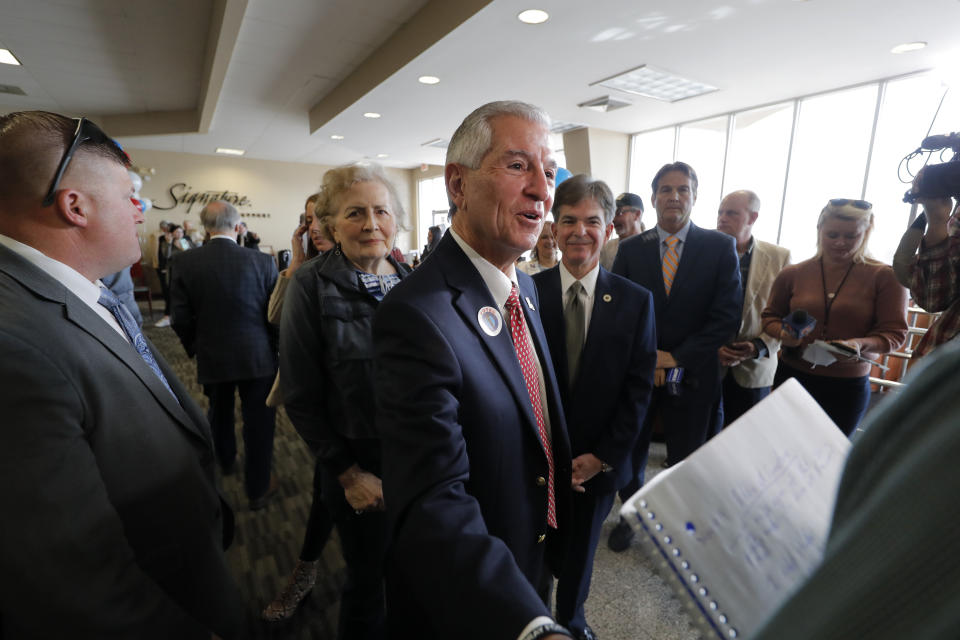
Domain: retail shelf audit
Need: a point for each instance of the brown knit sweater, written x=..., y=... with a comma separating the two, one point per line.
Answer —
x=870, y=303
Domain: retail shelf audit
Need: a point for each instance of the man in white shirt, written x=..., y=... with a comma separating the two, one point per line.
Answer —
x=113, y=526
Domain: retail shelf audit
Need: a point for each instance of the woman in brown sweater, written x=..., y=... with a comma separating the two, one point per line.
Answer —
x=857, y=303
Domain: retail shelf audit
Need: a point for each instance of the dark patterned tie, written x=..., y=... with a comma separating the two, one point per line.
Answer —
x=575, y=322
x=129, y=326
x=521, y=343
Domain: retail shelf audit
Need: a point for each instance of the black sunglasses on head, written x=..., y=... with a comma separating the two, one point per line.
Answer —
x=86, y=131
x=859, y=204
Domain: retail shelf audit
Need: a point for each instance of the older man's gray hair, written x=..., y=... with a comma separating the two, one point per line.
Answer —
x=219, y=217
x=472, y=139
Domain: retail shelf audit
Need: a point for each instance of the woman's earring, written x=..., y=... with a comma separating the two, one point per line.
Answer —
x=337, y=250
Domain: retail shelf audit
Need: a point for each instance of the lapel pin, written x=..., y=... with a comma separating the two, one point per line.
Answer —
x=490, y=321
x=529, y=304
x=607, y=297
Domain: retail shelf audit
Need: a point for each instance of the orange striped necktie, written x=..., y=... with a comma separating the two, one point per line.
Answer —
x=671, y=260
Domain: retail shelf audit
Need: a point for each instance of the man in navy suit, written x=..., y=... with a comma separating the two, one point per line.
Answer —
x=219, y=295
x=694, y=276
x=476, y=461
x=601, y=334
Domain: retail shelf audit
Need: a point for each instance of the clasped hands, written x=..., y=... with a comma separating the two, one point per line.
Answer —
x=362, y=489
x=665, y=360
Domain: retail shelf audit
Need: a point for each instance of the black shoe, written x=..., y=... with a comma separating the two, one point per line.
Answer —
x=587, y=634
x=620, y=538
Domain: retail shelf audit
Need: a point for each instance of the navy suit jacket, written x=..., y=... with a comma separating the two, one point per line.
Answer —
x=606, y=406
x=463, y=466
x=702, y=312
x=219, y=295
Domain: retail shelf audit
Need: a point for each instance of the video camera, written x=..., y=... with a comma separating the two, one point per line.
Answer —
x=938, y=180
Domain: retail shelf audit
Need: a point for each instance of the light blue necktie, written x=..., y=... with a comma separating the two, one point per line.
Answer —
x=129, y=326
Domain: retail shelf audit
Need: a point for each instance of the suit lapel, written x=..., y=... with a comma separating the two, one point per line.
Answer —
x=654, y=264
x=689, y=258
x=601, y=323
x=551, y=314
x=759, y=263
x=471, y=296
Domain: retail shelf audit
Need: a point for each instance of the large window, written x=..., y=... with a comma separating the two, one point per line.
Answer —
x=757, y=161
x=432, y=207
x=701, y=145
x=797, y=155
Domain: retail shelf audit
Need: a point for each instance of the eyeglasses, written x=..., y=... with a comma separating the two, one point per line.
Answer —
x=859, y=204
x=86, y=131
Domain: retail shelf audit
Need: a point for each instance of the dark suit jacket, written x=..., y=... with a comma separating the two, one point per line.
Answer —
x=219, y=295
x=607, y=404
x=463, y=464
x=703, y=310
x=113, y=527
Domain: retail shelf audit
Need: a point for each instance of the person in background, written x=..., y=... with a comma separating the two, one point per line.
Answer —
x=247, y=238
x=750, y=359
x=600, y=328
x=434, y=234
x=320, y=521
x=626, y=222
x=544, y=254
x=857, y=304
x=695, y=281
x=192, y=233
x=113, y=525
x=219, y=295
x=326, y=375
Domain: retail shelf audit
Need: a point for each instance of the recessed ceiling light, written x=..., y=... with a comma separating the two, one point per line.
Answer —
x=371, y=114
x=230, y=152
x=655, y=83
x=336, y=137
x=428, y=79
x=383, y=155
x=6, y=57
x=533, y=16
x=908, y=46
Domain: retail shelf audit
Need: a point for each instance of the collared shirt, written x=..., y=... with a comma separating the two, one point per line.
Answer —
x=681, y=236
x=224, y=236
x=935, y=286
x=589, y=283
x=73, y=280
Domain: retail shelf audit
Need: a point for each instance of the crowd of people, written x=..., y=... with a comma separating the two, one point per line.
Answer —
x=471, y=425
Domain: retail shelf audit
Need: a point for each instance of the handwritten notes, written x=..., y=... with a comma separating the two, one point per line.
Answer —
x=744, y=519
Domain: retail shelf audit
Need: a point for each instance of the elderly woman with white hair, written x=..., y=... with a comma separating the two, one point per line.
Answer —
x=326, y=373
x=857, y=303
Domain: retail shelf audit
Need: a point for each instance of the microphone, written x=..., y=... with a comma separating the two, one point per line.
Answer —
x=799, y=323
x=934, y=143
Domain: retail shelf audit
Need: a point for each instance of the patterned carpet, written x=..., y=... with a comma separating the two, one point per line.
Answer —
x=267, y=542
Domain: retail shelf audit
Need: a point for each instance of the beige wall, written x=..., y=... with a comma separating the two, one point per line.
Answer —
x=275, y=188
x=602, y=154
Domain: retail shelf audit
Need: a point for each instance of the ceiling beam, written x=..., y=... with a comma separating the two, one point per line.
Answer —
x=429, y=25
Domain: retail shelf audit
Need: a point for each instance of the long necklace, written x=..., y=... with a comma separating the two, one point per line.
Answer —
x=829, y=298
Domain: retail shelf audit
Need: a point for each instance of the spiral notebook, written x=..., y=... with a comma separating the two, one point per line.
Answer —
x=742, y=521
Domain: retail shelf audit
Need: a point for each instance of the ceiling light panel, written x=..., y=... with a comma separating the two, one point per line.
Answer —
x=6, y=57
x=655, y=83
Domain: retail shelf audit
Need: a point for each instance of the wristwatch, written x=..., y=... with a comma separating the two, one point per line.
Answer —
x=605, y=468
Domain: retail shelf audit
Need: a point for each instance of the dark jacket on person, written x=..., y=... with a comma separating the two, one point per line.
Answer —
x=326, y=361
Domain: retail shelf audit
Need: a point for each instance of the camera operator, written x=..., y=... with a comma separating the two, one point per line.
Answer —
x=932, y=273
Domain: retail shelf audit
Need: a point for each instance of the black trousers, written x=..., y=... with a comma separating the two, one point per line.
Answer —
x=320, y=522
x=258, y=426
x=573, y=582
x=845, y=400
x=734, y=401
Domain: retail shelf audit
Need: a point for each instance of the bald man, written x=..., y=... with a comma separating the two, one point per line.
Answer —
x=113, y=527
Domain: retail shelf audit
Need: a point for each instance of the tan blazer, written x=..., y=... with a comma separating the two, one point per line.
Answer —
x=767, y=261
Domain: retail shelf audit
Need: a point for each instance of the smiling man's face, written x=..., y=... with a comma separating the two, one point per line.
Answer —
x=501, y=205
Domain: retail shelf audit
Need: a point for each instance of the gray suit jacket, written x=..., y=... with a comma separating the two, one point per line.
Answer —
x=113, y=527
x=767, y=261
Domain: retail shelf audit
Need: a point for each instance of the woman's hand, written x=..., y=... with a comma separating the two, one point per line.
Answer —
x=297, y=255
x=788, y=339
x=852, y=345
x=362, y=489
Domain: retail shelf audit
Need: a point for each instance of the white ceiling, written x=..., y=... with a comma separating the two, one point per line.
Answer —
x=115, y=57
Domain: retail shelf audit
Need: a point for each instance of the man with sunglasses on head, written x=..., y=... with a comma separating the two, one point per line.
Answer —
x=113, y=526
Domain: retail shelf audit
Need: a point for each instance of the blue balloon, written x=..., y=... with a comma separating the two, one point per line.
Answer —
x=562, y=174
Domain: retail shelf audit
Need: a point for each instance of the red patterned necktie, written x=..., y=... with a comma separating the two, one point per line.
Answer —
x=521, y=343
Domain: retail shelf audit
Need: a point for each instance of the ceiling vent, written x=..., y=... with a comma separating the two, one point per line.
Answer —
x=12, y=90
x=604, y=104
x=562, y=127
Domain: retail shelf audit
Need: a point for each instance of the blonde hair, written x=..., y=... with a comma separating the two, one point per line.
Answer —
x=337, y=182
x=848, y=212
